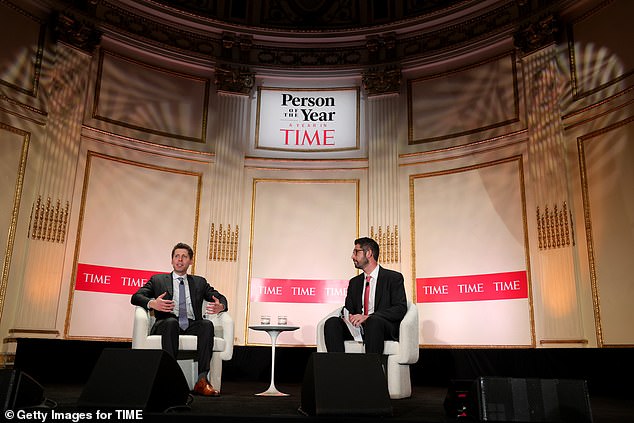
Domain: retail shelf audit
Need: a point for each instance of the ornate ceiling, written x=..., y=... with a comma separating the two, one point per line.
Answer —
x=244, y=36
x=315, y=15
x=305, y=33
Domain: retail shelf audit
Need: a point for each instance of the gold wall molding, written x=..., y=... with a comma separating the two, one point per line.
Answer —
x=223, y=243
x=563, y=341
x=554, y=227
x=34, y=331
x=388, y=243
x=15, y=211
x=48, y=221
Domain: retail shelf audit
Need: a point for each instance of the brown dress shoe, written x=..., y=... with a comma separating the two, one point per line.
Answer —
x=203, y=387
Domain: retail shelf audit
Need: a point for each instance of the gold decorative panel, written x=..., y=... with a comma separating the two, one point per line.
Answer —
x=388, y=243
x=48, y=221
x=223, y=243
x=554, y=227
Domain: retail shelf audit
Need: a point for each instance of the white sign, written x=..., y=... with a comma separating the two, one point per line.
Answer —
x=307, y=120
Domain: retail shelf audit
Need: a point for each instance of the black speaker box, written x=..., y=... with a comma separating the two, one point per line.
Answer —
x=345, y=384
x=532, y=400
x=458, y=401
x=147, y=380
x=19, y=390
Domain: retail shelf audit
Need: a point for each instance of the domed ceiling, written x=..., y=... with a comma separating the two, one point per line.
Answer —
x=310, y=34
x=314, y=15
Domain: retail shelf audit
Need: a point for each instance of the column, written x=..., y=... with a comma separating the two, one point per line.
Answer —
x=383, y=105
x=234, y=86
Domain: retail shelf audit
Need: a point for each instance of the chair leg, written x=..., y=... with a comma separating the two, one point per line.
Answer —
x=215, y=377
x=189, y=368
x=399, y=384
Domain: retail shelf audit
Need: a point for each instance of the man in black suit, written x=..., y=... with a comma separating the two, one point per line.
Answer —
x=177, y=301
x=376, y=302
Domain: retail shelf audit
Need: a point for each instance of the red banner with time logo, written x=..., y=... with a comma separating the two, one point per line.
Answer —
x=492, y=286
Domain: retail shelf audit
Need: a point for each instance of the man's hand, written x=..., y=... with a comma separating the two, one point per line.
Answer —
x=358, y=319
x=160, y=304
x=215, y=307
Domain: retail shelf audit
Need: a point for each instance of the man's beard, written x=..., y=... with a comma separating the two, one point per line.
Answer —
x=359, y=265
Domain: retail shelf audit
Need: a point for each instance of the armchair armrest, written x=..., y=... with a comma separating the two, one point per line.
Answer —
x=226, y=321
x=140, y=327
x=320, y=338
x=408, y=336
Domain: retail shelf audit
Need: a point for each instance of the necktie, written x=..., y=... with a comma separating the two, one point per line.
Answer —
x=182, y=306
x=366, y=295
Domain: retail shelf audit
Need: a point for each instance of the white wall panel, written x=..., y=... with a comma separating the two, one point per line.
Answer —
x=471, y=222
x=302, y=230
x=607, y=178
x=132, y=215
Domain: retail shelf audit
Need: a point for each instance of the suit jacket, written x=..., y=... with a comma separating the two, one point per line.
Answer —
x=390, y=301
x=199, y=290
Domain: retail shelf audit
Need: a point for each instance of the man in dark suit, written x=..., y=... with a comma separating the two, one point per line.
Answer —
x=177, y=301
x=376, y=302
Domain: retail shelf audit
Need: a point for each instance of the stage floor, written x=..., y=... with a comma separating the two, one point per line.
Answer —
x=239, y=403
x=63, y=367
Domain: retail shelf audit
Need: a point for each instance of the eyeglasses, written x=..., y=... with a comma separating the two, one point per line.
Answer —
x=355, y=251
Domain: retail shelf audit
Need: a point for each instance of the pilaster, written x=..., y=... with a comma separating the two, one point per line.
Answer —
x=65, y=93
x=227, y=192
x=383, y=185
x=554, y=275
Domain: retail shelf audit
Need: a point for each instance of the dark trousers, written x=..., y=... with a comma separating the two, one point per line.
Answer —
x=170, y=331
x=376, y=330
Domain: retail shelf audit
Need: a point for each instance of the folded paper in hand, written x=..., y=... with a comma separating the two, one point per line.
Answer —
x=355, y=331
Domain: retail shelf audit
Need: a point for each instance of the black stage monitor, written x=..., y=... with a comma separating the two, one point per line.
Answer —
x=147, y=380
x=345, y=384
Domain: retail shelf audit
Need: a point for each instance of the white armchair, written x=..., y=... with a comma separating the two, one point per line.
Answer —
x=223, y=344
x=400, y=354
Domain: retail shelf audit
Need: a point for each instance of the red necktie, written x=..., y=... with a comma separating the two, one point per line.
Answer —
x=366, y=295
